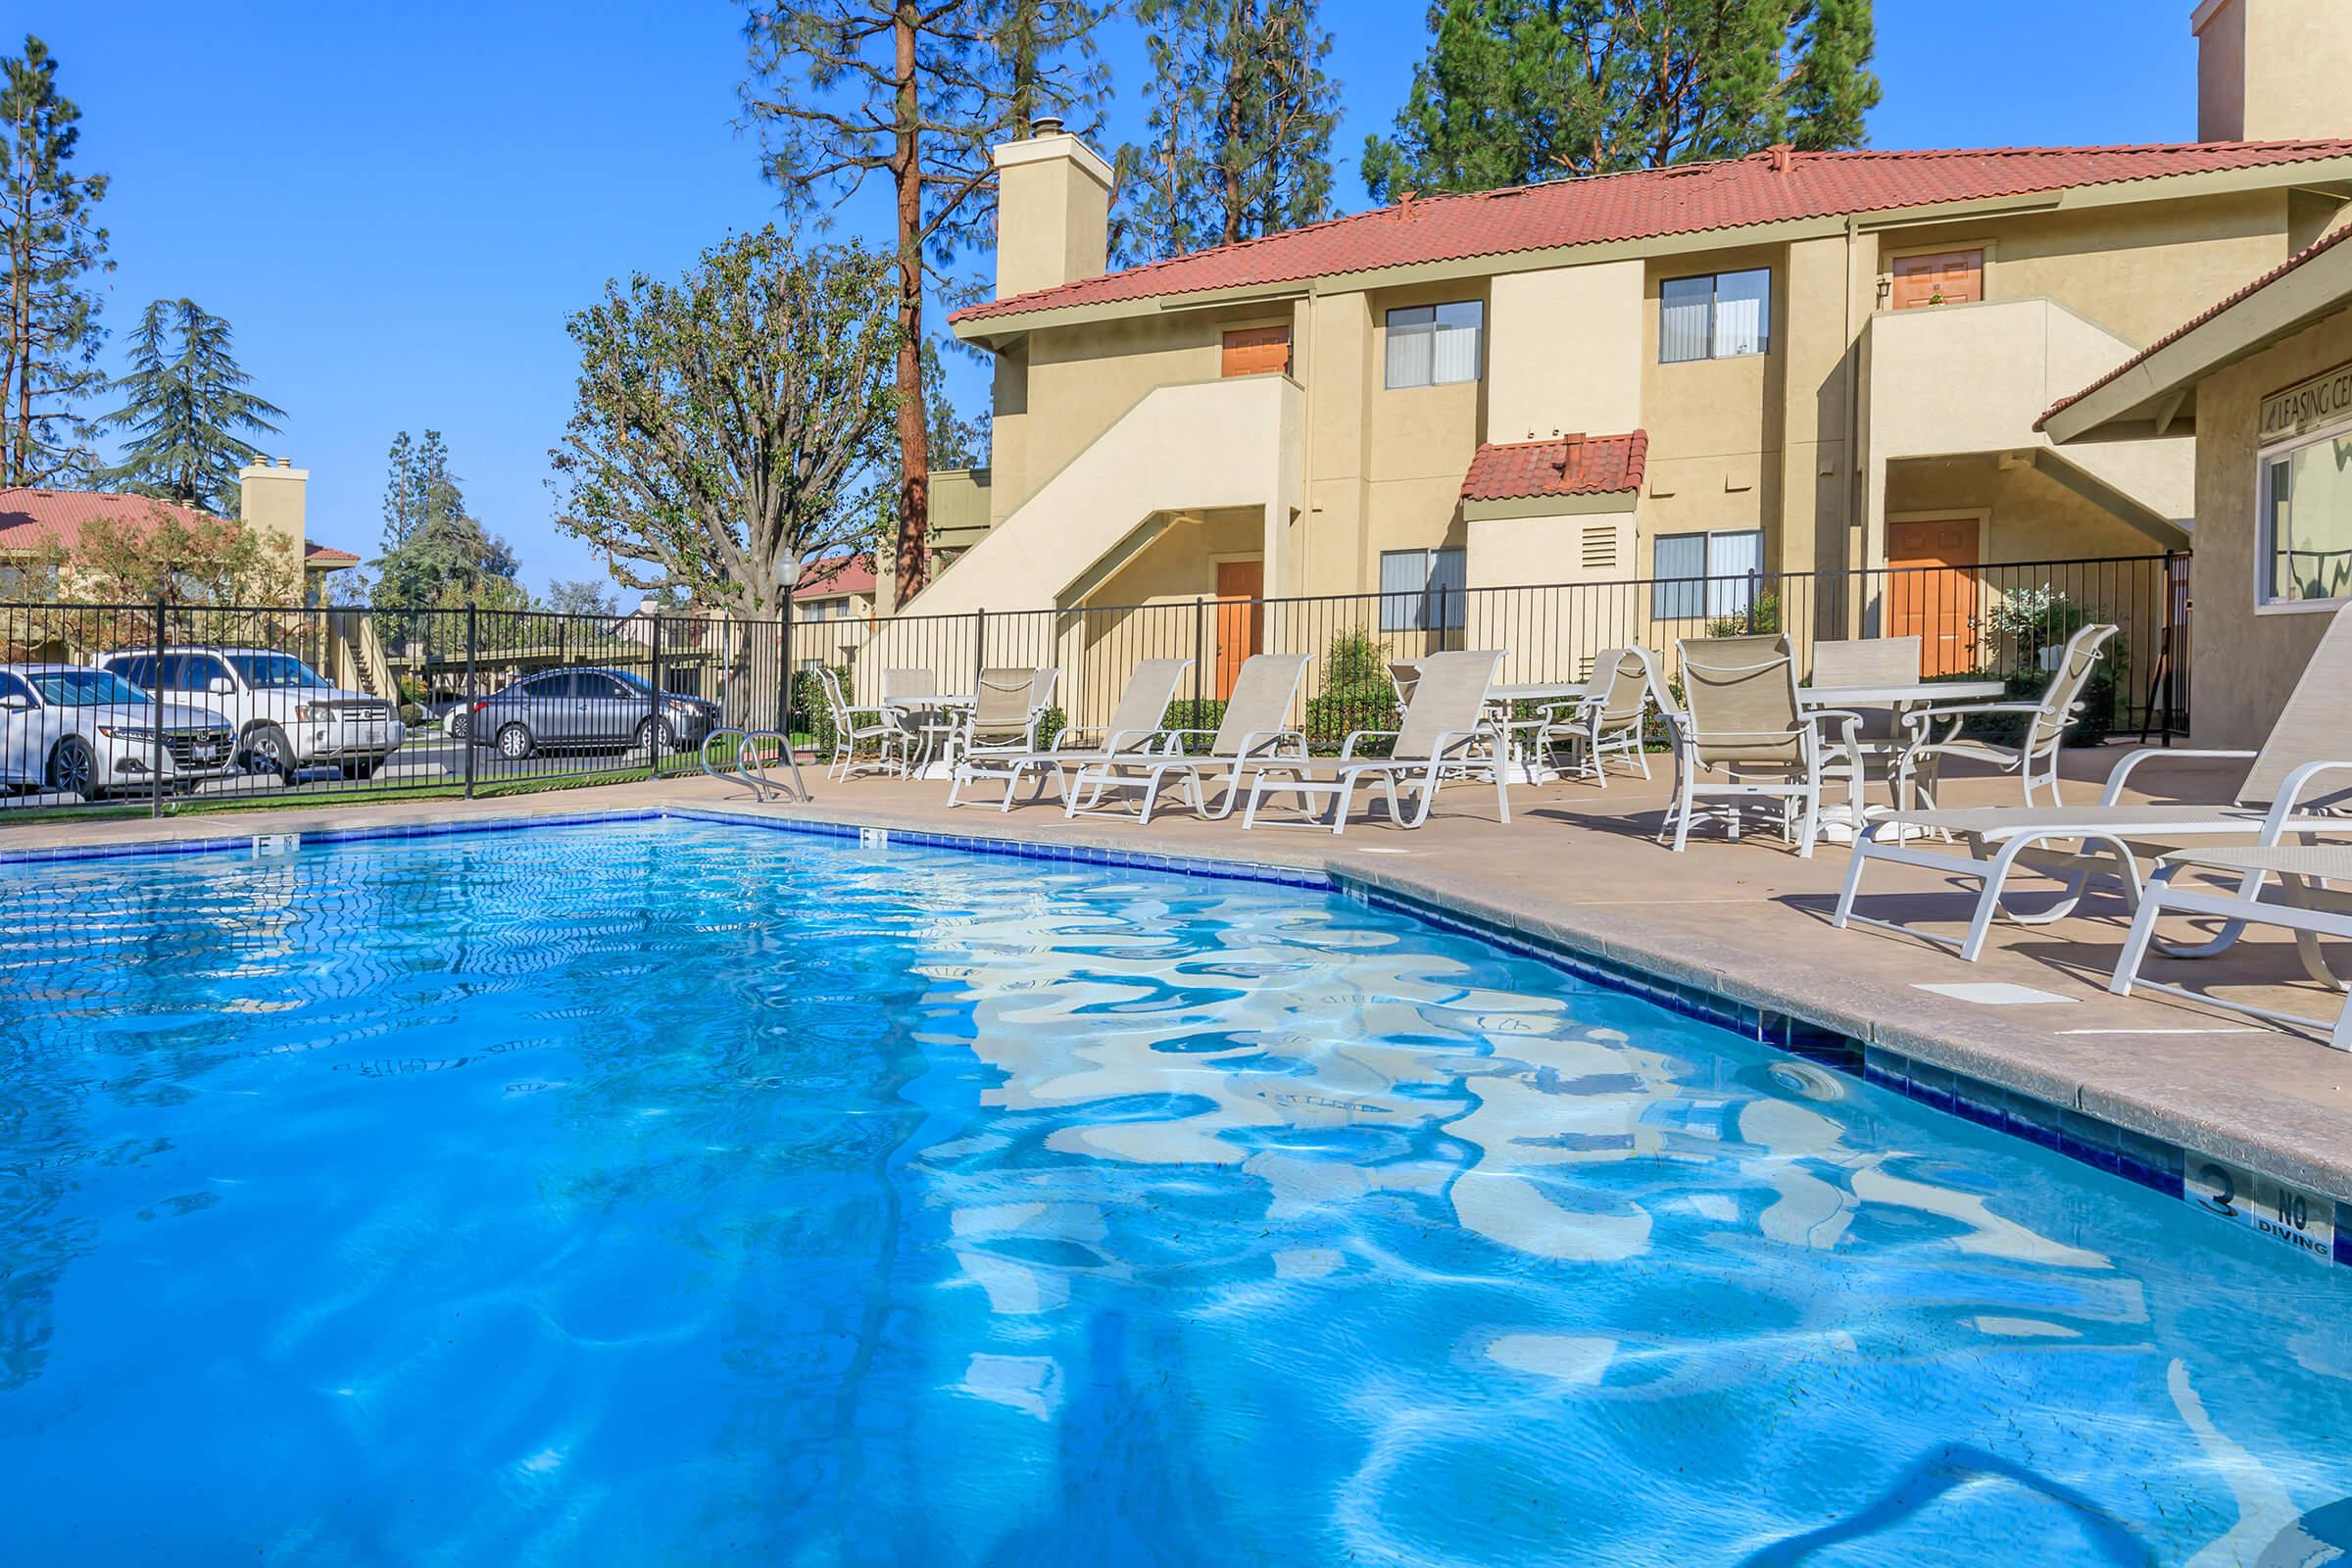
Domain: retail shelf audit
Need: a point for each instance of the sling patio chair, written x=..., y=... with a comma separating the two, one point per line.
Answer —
x=1256, y=731
x=1134, y=730
x=1741, y=735
x=2034, y=758
x=1001, y=722
x=1878, y=735
x=1446, y=732
x=850, y=730
x=2305, y=906
x=1612, y=718
x=930, y=730
x=2312, y=738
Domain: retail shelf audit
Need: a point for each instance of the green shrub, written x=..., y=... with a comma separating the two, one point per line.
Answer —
x=805, y=709
x=1204, y=714
x=1767, y=618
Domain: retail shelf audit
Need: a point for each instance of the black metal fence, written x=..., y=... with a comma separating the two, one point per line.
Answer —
x=149, y=704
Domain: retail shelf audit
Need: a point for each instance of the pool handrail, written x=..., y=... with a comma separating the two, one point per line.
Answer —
x=748, y=770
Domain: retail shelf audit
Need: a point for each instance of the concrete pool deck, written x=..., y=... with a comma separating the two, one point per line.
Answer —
x=1576, y=870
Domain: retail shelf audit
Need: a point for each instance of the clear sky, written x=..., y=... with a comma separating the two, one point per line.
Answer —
x=396, y=206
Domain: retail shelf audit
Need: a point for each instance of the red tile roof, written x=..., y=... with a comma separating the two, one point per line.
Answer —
x=834, y=575
x=1573, y=465
x=34, y=519
x=2308, y=253
x=1652, y=203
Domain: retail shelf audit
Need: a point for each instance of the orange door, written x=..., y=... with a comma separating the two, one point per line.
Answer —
x=1948, y=277
x=1931, y=591
x=1241, y=619
x=1256, y=350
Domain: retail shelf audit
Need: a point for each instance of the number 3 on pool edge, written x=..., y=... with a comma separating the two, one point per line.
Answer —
x=2221, y=1200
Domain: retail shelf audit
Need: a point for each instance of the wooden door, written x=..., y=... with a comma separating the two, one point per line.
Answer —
x=1947, y=278
x=1241, y=619
x=1931, y=591
x=1254, y=350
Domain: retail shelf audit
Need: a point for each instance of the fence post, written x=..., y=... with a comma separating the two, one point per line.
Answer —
x=1200, y=658
x=1755, y=579
x=979, y=649
x=471, y=694
x=155, y=699
x=2166, y=654
x=653, y=701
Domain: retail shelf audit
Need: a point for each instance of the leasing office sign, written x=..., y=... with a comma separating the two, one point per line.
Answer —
x=2325, y=399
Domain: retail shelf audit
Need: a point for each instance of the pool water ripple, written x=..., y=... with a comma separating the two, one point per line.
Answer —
x=676, y=1192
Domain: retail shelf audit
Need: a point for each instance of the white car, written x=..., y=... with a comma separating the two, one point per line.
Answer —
x=286, y=714
x=87, y=731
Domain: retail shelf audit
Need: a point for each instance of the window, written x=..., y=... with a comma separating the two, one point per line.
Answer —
x=1434, y=345
x=195, y=672
x=272, y=671
x=1421, y=590
x=13, y=693
x=596, y=684
x=1704, y=574
x=138, y=668
x=2305, y=513
x=1722, y=317
x=20, y=582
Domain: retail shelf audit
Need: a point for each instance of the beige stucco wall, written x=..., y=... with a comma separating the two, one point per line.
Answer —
x=1566, y=352
x=2273, y=70
x=2245, y=659
x=1053, y=210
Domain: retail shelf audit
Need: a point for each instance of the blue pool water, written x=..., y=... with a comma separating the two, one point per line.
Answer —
x=671, y=1193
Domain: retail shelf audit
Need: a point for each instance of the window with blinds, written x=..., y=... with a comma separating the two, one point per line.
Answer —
x=1724, y=315
x=1434, y=345
x=1422, y=590
x=1704, y=574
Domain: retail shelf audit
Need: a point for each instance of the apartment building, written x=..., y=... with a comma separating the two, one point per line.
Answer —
x=1787, y=362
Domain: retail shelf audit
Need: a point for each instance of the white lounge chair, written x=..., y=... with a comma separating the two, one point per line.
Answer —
x=2033, y=760
x=2305, y=906
x=2313, y=738
x=1134, y=731
x=1741, y=734
x=1255, y=731
x=1445, y=733
x=849, y=731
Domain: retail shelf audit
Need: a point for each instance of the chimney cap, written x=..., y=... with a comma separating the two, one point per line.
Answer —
x=1046, y=125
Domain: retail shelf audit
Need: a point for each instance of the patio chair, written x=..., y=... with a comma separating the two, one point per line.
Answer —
x=1134, y=730
x=2305, y=906
x=849, y=731
x=1740, y=722
x=1256, y=731
x=1001, y=722
x=2312, y=738
x=1880, y=736
x=1612, y=718
x=1445, y=733
x=2034, y=758
x=930, y=731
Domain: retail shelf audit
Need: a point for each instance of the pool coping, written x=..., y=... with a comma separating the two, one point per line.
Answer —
x=2122, y=1137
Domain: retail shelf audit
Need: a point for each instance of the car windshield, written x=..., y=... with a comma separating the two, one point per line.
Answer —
x=275, y=671
x=83, y=688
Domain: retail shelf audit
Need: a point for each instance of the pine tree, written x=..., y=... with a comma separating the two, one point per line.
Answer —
x=49, y=245
x=1514, y=92
x=186, y=407
x=1241, y=123
x=437, y=554
x=914, y=92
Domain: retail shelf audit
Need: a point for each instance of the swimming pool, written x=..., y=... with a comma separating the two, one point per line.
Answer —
x=675, y=1192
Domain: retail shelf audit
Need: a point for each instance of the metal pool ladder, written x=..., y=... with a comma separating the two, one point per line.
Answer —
x=751, y=769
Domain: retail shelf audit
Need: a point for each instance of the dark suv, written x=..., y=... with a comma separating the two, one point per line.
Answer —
x=585, y=710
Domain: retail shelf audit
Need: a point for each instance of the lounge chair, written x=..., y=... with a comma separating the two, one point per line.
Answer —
x=1446, y=732
x=1613, y=716
x=1256, y=731
x=2305, y=906
x=2034, y=758
x=1134, y=731
x=849, y=731
x=1741, y=722
x=2312, y=738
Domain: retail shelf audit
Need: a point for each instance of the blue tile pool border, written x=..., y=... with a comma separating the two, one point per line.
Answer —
x=2155, y=1164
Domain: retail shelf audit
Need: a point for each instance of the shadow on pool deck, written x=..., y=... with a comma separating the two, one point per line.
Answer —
x=1578, y=866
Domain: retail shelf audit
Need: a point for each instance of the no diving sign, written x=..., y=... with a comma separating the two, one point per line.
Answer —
x=2288, y=1216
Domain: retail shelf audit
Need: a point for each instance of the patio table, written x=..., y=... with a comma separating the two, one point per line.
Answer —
x=1834, y=826
x=908, y=711
x=1525, y=770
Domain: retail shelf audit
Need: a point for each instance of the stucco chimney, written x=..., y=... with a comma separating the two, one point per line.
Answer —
x=2273, y=70
x=1053, y=210
x=271, y=497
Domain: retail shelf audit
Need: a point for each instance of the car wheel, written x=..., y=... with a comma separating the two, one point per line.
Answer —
x=73, y=768
x=513, y=742
x=654, y=737
x=267, y=750
x=458, y=725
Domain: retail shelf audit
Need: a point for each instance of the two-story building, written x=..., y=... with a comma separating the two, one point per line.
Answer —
x=1786, y=364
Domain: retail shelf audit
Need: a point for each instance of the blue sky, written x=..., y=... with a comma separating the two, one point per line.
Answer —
x=396, y=206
